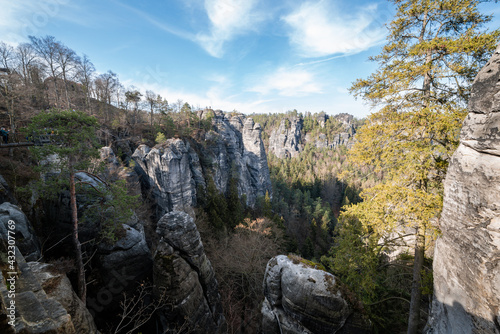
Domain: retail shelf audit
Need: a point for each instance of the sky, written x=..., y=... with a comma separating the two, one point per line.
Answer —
x=253, y=56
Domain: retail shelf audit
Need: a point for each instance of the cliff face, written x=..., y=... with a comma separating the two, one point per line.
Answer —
x=301, y=299
x=168, y=171
x=286, y=140
x=173, y=172
x=467, y=255
x=184, y=271
x=289, y=139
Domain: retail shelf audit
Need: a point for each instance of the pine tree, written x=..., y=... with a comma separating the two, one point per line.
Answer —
x=74, y=143
x=433, y=52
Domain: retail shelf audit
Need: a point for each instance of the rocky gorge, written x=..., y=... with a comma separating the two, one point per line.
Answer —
x=299, y=297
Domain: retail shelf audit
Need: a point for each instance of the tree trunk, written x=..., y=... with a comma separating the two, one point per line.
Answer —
x=416, y=292
x=82, y=286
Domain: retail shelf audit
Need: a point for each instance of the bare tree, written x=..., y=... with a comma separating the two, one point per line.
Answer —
x=67, y=61
x=136, y=310
x=85, y=73
x=105, y=85
x=27, y=59
x=9, y=82
x=47, y=49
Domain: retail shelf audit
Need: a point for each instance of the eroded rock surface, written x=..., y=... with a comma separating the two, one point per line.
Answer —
x=286, y=140
x=33, y=310
x=58, y=287
x=302, y=299
x=173, y=172
x=183, y=270
x=25, y=237
x=467, y=255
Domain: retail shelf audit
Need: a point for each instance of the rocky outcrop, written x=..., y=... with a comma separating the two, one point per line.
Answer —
x=302, y=299
x=25, y=306
x=168, y=171
x=129, y=256
x=286, y=140
x=467, y=255
x=172, y=172
x=25, y=237
x=183, y=270
x=58, y=287
x=5, y=192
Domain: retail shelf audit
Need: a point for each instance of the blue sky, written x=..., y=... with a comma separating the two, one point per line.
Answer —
x=245, y=55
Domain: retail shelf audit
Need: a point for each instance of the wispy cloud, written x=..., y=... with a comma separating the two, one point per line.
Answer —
x=318, y=29
x=288, y=82
x=18, y=19
x=228, y=18
x=161, y=25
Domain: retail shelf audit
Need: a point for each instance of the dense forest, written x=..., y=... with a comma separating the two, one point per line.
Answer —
x=358, y=197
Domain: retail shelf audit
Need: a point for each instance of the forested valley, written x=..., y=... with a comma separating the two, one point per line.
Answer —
x=109, y=176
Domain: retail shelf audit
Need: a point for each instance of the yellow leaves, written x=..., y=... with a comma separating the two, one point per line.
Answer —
x=389, y=206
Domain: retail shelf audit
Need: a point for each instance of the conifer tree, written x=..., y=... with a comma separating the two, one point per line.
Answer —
x=434, y=50
x=73, y=144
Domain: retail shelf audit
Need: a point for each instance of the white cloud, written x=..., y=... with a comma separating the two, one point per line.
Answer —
x=288, y=82
x=228, y=18
x=318, y=29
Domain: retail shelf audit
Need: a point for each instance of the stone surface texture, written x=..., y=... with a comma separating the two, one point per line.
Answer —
x=35, y=311
x=128, y=257
x=25, y=237
x=173, y=171
x=302, y=299
x=467, y=255
x=183, y=270
x=286, y=140
x=289, y=139
x=58, y=287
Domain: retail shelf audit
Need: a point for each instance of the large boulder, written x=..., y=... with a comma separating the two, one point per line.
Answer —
x=467, y=255
x=58, y=287
x=25, y=307
x=300, y=298
x=129, y=255
x=11, y=216
x=183, y=272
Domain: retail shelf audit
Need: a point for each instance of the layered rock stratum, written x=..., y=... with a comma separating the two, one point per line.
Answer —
x=467, y=255
x=184, y=273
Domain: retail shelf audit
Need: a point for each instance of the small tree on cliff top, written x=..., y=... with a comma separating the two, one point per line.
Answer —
x=433, y=52
x=74, y=144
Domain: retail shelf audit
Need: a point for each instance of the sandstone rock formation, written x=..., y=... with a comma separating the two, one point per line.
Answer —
x=129, y=255
x=173, y=172
x=168, y=170
x=183, y=270
x=302, y=299
x=25, y=237
x=33, y=310
x=467, y=255
x=5, y=192
x=58, y=287
x=286, y=140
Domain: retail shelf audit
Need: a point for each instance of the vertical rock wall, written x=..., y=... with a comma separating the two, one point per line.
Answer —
x=172, y=171
x=467, y=255
x=286, y=141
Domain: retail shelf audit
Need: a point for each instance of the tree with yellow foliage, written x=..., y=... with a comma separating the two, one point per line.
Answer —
x=434, y=50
